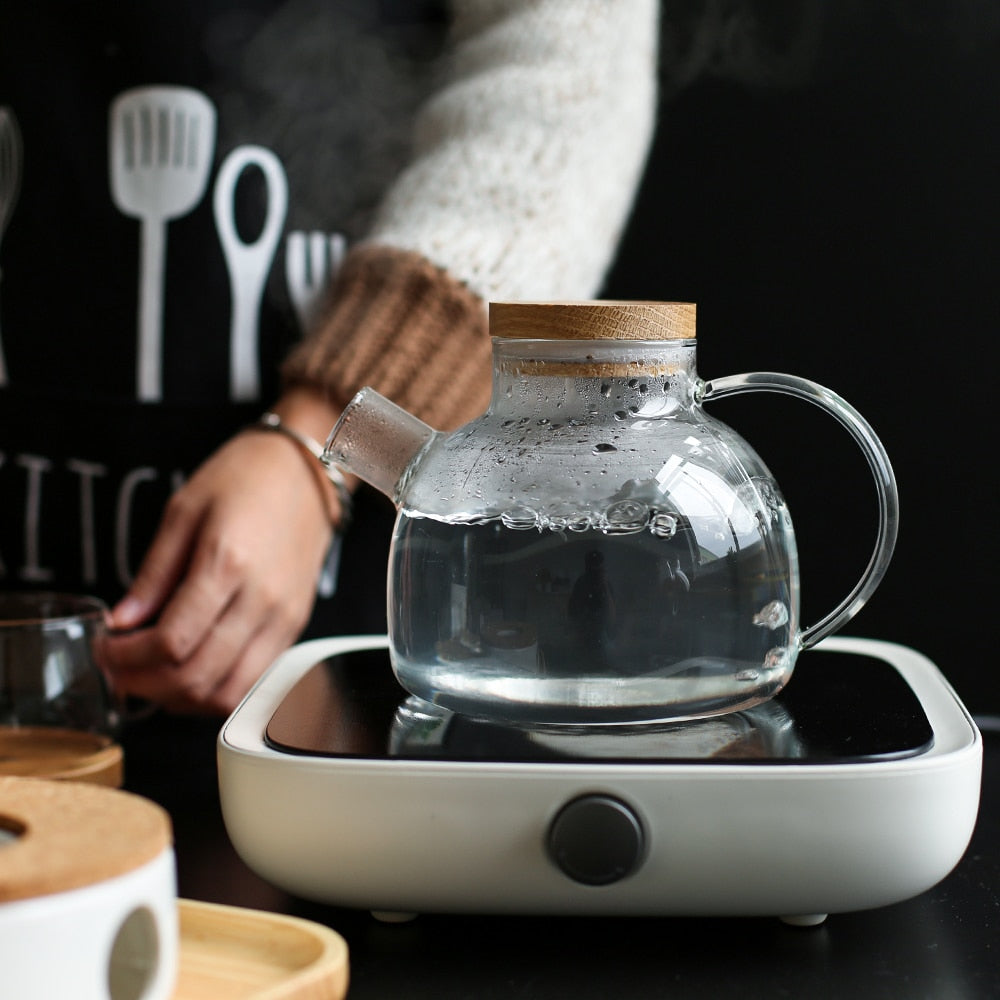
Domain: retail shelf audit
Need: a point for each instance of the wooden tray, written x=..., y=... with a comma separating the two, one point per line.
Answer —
x=64, y=754
x=228, y=952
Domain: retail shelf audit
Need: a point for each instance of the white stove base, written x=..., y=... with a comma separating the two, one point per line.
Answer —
x=794, y=841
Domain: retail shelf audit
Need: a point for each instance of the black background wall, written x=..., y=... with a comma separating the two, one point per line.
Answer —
x=832, y=203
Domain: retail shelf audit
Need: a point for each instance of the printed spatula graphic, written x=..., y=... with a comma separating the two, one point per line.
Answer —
x=161, y=143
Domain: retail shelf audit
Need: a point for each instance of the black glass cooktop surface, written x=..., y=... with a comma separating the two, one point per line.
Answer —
x=838, y=707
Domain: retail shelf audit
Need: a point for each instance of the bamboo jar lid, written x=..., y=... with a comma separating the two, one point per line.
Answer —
x=67, y=754
x=65, y=835
x=598, y=320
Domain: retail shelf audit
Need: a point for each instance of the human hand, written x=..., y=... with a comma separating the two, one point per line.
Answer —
x=228, y=582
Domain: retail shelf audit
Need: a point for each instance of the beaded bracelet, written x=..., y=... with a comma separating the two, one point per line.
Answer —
x=272, y=422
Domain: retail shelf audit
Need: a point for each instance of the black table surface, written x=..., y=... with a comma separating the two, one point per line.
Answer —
x=942, y=945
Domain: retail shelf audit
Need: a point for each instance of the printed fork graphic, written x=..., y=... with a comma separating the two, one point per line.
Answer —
x=311, y=261
x=161, y=143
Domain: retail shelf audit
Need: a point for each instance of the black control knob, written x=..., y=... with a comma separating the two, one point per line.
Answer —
x=596, y=840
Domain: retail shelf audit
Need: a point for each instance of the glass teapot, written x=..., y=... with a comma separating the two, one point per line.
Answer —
x=595, y=548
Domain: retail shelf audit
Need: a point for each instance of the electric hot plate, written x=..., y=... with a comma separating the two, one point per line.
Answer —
x=856, y=787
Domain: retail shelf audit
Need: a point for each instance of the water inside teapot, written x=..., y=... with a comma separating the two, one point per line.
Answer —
x=667, y=617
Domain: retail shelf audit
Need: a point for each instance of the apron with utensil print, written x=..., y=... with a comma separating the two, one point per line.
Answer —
x=178, y=184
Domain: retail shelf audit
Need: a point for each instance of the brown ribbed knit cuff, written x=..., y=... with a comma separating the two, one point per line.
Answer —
x=403, y=326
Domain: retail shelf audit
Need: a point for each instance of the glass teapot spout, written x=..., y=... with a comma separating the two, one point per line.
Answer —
x=378, y=442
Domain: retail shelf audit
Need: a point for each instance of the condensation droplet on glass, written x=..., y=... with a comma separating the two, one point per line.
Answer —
x=568, y=516
x=603, y=448
x=519, y=518
x=773, y=615
x=557, y=516
x=605, y=389
x=748, y=676
x=663, y=525
x=770, y=494
x=776, y=658
x=626, y=516
x=621, y=415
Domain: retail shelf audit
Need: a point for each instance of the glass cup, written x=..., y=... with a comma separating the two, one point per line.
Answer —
x=48, y=672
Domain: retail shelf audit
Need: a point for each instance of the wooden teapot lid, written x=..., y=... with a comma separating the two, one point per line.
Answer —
x=65, y=835
x=598, y=320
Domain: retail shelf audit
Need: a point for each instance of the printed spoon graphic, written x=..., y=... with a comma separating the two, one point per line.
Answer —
x=248, y=263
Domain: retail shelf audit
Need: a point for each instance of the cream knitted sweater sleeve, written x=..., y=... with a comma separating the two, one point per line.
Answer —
x=525, y=165
x=527, y=160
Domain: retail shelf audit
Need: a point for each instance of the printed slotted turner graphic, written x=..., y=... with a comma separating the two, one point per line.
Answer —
x=161, y=141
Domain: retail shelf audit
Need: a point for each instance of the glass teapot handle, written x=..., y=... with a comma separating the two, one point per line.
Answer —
x=878, y=460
